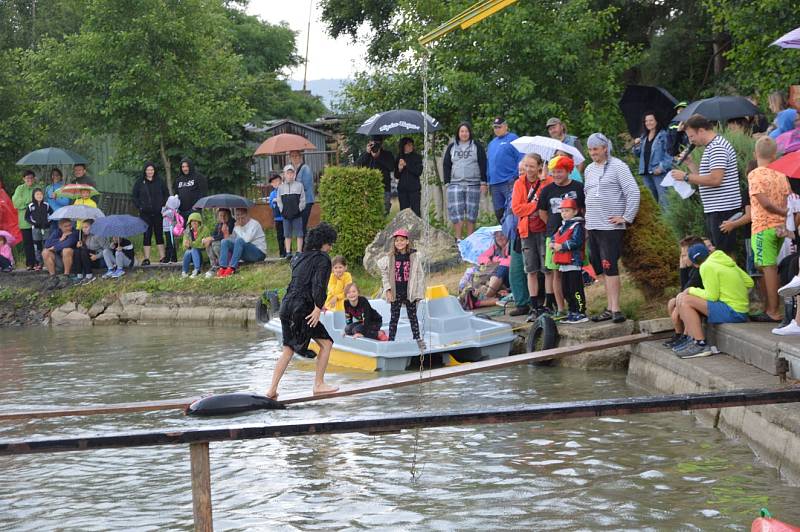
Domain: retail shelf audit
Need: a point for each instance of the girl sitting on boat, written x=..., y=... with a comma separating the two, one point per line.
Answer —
x=361, y=319
x=403, y=283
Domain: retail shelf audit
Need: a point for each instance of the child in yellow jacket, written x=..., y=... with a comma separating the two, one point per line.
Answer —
x=340, y=278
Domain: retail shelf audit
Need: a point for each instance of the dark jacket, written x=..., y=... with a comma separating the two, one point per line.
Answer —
x=149, y=196
x=384, y=162
x=362, y=312
x=572, y=236
x=217, y=234
x=190, y=187
x=447, y=163
x=36, y=214
x=309, y=284
x=125, y=246
x=408, y=178
x=53, y=241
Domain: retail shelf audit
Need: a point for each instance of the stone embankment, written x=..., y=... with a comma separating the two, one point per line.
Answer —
x=161, y=309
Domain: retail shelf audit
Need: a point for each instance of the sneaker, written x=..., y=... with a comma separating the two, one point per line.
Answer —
x=576, y=317
x=683, y=344
x=618, y=317
x=165, y=260
x=76, y=278
x=559, y=315
x=37, y=268
x=89, y=279
x=146, y=262
x=793, y=329
x=210, y=273
x=184, y=275
x=195, y=273
x=520, y=311
x=672, y=342
x=696, y=350
x=108, y=274
x=790, y=289
x=119, y=272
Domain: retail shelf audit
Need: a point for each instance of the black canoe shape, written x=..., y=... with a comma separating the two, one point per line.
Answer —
x=231, y=403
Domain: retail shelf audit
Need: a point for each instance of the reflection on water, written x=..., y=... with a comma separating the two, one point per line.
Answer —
x=654, y=472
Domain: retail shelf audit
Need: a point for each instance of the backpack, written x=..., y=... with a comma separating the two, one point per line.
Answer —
x=179, y=227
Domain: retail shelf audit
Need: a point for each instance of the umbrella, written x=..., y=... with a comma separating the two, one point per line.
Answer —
x=285, y=142
x=10, y=240
x=223, y=201
x=790, y=40
x=546, y=147
x=51, y=157
x=398, y=122
x=121, y=225
x=77, y=212
x=719, y=108
x=789, y=141
x=788, y=165
x=73, y=190
x=476, y=243
x=640, y=98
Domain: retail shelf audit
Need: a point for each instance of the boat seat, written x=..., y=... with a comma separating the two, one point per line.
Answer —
x=339, y=320
x=445, y=307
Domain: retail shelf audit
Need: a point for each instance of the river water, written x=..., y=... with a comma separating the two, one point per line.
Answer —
x=653, y=472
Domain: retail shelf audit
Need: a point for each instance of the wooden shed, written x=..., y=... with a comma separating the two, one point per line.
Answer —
x=317, y=160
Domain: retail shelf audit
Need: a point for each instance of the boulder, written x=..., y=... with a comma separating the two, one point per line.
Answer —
x=67, y=307
x=76, y=318
x=134, y=298
x=440, y=250
x=97, y=309
x=107, y=318
x=57, y=317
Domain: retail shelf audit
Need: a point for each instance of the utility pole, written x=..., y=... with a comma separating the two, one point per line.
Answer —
x=308, y=38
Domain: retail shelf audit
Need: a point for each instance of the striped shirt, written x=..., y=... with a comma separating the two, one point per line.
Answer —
x=720, y=155
x=611, y=190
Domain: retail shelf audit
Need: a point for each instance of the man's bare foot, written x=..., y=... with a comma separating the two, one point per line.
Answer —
x=324, y=388
x=271, y=395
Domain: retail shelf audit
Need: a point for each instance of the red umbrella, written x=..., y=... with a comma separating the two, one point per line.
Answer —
x=788, y=165
x=285, y=142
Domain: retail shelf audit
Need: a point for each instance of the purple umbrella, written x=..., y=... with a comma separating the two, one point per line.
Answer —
x=10, y=240
x=790, y=40
x=120, y=225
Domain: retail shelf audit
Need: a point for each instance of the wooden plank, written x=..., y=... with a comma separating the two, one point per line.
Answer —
x=383, y=424
x=201, y=487
x=374, y=385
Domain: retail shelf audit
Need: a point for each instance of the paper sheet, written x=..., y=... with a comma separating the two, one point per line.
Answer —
x=683, y=188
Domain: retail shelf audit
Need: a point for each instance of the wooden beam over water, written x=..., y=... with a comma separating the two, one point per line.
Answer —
x=542, y=412
x=387, y=383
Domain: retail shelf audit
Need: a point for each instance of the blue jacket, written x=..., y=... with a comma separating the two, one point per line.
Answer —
x=53, y=241
x=305, y=176
x=659, y=154
x=503, y=159
x=49, y=196
x=273, y=202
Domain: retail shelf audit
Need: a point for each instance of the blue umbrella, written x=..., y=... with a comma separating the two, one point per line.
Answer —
x=121, y=225
x=51, y=157
x=77, y=212
x=475, y=244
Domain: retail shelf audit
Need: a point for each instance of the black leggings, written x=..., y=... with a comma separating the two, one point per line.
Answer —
x=5, y=264
x=411, y=310
x=154, y=226
x=410, y=200
x=83, y=263
x=572, y=286
x=369, y=330
x=27, y=245
x=279, y=234
x=169, y=251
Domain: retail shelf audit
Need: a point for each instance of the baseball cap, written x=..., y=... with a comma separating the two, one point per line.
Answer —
x=553, y=121
x=288, y=167
x=569, y=203
x=698, y=253
x=498, y=121
x=680, y=104
x=400, y=232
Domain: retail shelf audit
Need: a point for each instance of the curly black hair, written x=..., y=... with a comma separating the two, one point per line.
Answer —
x=316, y=237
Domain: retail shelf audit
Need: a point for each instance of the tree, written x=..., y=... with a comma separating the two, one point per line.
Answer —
x=159, y=74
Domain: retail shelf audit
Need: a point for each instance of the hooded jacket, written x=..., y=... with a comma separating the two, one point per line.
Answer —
x=464, y=162
x=416, y=281
x=384, y=163
x=23, y=195
x=149, y=196
x=195, y=240
x=724, y=281
x=572, y=237
x=291, y=199
x=37, y=214
x=190, y=187
x=408, y=177
x=525, y=204
x=308, y=287
x=784, y=122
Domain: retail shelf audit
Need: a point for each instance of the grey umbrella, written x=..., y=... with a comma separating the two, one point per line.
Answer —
x=52, y=157
x=719, y=108
x=223, y=201
x=77, y=212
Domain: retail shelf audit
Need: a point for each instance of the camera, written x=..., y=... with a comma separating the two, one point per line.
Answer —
x=374, y=146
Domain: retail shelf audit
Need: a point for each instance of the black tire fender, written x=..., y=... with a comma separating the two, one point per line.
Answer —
x=542, y=335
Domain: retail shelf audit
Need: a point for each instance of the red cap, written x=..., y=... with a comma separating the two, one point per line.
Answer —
x=569, y=203
x=400, y=232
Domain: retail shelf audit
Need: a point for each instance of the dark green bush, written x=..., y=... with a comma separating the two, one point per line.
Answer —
x=352, y=201
x=650, y=250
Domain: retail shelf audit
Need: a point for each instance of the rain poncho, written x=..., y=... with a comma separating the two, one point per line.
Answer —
x=307, y=289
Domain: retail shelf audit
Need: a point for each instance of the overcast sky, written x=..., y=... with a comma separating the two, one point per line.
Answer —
x=327, y=57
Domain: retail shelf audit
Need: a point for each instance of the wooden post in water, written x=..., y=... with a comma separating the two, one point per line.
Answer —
x=201, y=486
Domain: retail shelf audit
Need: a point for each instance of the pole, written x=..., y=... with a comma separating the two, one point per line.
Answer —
x=201, y=486
x=308, y=38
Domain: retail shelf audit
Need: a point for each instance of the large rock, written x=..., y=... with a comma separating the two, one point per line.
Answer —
x=76, y=318
x=97, y=309
x=440, y=249
x=134, y=298
x=67, y=307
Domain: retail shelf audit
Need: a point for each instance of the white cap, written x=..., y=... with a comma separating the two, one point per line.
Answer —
x=288, y=167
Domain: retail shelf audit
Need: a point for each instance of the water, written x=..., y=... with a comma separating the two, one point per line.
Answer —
x=653, y=472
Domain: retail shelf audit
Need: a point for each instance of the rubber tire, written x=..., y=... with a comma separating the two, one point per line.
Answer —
x=542, y=335
x=262, y=312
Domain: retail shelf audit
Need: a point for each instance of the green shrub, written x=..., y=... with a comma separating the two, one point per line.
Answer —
x=650, y=250
x=352, y=201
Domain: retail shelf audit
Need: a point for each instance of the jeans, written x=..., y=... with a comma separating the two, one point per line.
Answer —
x=231, y=251
x=116, y=259
x=653, y=183
x=501, y=198
x=191, y=256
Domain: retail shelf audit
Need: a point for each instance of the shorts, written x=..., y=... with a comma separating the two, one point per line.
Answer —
x=749, y=265
x=463, y=202
x=604, y=251
x=533, y=252
x=549, y=264
x=766, y=245
x=724, y=241
x=719, y=312
x=293, y=227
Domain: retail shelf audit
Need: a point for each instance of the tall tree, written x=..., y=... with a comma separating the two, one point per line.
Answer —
x=159, y=74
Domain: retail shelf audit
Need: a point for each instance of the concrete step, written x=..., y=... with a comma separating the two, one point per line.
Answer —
x=754, y=344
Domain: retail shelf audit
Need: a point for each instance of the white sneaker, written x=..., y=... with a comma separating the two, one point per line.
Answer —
x=184, y=275
x=80, y=276
x=209, y=274
x=790, y=289
x=793, y=329
x=195, y=273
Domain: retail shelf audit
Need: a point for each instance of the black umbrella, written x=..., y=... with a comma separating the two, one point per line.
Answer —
x=51, y=157
x=223, y=201
x=398, y=122
x=719, y=108
x=640, y=98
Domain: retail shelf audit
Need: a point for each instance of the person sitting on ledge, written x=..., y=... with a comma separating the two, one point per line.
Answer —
x=59, y=248
x=723, y=299
x=689, y=277
x=248, y=244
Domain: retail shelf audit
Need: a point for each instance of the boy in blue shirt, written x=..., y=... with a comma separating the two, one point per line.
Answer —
x=275, y=181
